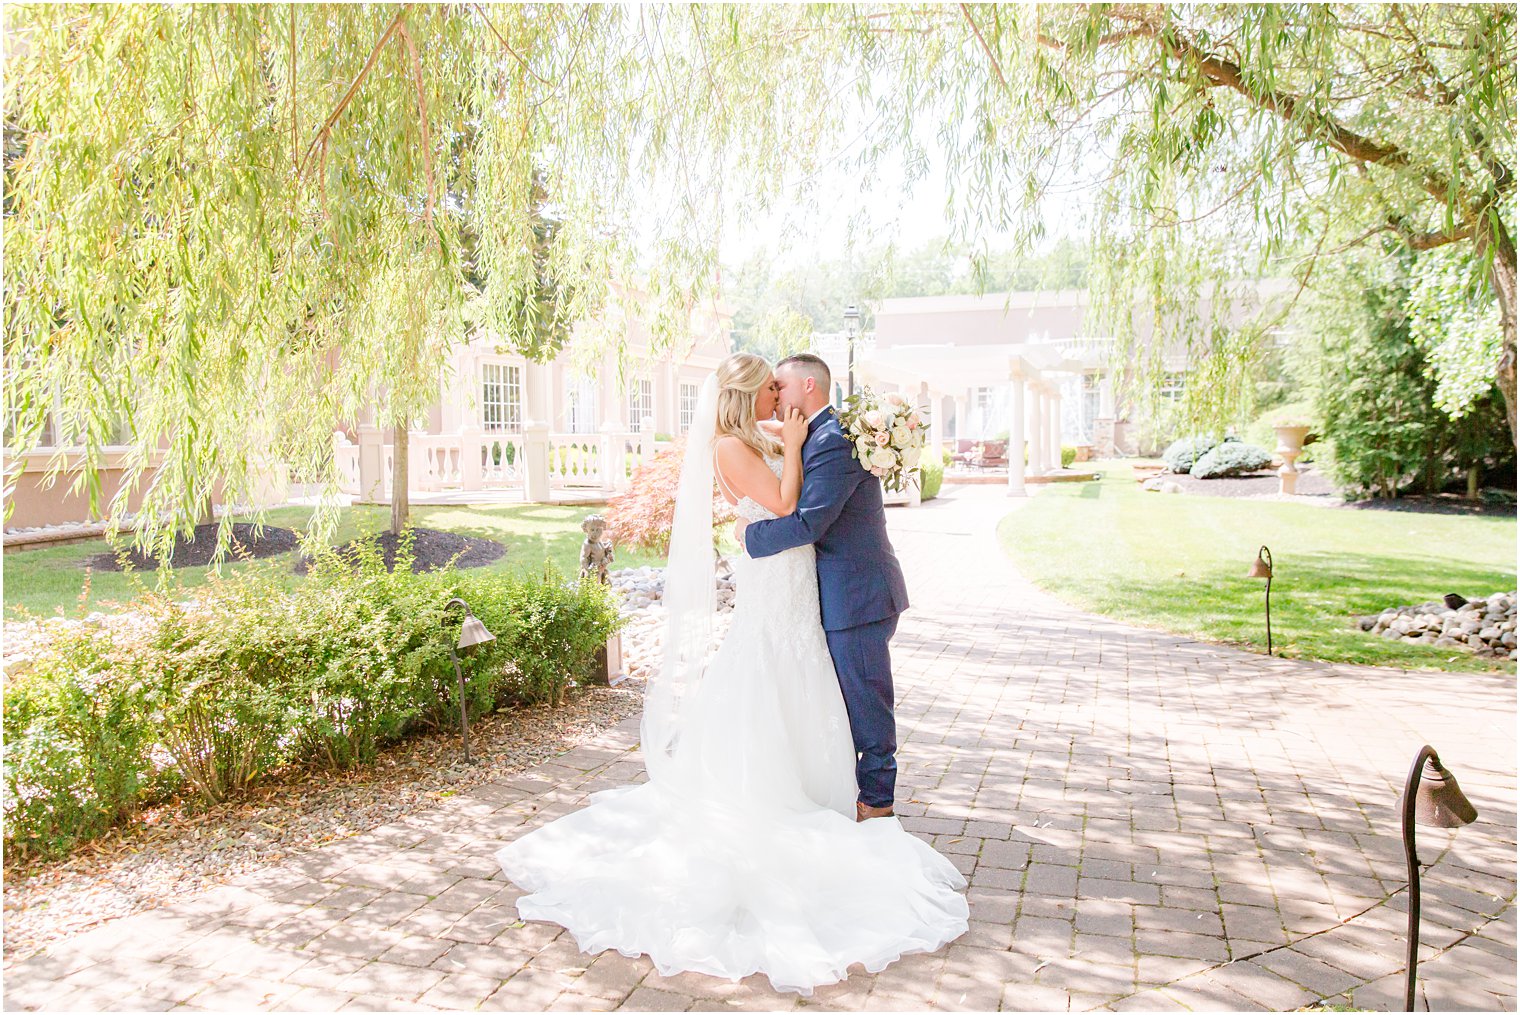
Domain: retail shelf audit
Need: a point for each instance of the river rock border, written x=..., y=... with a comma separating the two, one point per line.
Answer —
x=1486, y=626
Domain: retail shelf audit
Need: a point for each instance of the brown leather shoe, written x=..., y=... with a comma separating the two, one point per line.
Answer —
x=864, y=812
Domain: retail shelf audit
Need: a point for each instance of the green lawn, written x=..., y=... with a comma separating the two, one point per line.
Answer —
x=48, y=581
x=1178, y=562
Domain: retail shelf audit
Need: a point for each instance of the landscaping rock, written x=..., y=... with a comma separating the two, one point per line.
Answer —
x=1486, y=625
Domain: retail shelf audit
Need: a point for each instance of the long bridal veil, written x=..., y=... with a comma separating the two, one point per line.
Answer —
x=690, y=594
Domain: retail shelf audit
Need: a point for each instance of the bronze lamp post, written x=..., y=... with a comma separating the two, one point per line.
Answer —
x=471, y=633
x=1261, y=567
x=1431, y=797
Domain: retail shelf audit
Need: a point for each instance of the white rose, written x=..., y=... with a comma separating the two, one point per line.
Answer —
x=910, y=457
x=875, y=420
x=900, y=436
x=883, y=459
x=865, y=445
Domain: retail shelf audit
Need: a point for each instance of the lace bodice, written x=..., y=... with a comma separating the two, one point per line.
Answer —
x=752, y=510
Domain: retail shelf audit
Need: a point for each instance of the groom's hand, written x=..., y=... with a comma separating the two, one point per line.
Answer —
x=739, y=527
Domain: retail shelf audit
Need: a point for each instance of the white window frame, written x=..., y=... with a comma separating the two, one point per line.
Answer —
x=503, y=412
x=581, y=405
x=688, y=394
x=640, y=401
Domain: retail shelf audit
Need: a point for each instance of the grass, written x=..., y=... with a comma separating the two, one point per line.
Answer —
x=1178, y=563
x=56, y=581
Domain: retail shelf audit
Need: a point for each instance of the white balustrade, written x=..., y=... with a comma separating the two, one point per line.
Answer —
x=346, y=462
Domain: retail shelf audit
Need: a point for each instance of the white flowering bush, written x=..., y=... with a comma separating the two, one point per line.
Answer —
x=888, y=434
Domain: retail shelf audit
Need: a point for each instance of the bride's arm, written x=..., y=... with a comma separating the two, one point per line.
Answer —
x=747, y=475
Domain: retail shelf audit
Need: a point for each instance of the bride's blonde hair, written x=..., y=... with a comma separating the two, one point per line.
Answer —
x=741, y=378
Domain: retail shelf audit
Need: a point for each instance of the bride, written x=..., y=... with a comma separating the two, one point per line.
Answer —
x=741, y=854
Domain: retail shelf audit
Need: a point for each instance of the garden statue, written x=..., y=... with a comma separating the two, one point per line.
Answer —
x=596, y=558
x=596, y=552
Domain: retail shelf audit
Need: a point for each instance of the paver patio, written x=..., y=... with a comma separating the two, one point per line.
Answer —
x=1147, y=823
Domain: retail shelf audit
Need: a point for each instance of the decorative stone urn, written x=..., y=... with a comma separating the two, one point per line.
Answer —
x=1290, y=444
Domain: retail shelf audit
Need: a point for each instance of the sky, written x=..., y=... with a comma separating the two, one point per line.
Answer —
x=844, y=207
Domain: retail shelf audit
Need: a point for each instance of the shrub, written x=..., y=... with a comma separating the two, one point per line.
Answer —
x=1180, y=455
x=1068, y=455
x=945, y=457
x=247, y=677
x=547, y=632
x=215, y=690
x=76, y=746
x=1231, y=459
x=644, y=515
x=375, y=649
x=930, y=478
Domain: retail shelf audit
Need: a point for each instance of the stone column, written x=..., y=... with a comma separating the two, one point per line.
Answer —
x=962, y=419
x=1037, y=418
x=536, y=453
x=1055, y=426
x=1015, y=451
x=371, y=465
x=936, y=427
x=536, y=407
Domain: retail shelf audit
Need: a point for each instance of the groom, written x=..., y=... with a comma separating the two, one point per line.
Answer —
x=860, y=585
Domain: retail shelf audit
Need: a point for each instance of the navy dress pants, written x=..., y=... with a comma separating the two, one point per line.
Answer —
x=864, y=667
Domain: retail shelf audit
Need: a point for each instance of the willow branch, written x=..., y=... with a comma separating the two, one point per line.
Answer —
x=508, y=46
x=353, y=89
x=997, y=67
x=422, y=118
x=295, y=130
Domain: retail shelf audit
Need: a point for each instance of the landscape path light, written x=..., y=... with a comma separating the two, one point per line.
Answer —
x=471, y=633
x=1431, y=797
x=1261, y=567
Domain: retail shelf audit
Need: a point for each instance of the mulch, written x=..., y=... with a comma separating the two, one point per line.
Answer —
x=1316, y=484
x=198, y=549
x=431, y=550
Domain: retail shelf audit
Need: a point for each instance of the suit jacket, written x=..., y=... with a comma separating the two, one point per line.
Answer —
x=841, y=514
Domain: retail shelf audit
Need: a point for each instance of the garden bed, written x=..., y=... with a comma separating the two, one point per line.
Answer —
x=245, y=543
x=431, y=550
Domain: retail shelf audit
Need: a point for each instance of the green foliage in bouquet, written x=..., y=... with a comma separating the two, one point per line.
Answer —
x=887, y=435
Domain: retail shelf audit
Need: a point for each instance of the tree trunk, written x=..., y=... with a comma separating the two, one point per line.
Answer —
x=401, y=506
x=1502, y=277
x=1473, y=473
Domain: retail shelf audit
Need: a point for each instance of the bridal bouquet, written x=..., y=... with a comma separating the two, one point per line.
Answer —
x=888, y=434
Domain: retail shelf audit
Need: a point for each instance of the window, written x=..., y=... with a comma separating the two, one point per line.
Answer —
x=688, y=405
x=500, y=397
x=1092, y=403
x=640, y=402
x=1172, y=385
x=581, y=406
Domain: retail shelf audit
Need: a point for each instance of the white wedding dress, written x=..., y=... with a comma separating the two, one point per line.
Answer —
x=745, y=856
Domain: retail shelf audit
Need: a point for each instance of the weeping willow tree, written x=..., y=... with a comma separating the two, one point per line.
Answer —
x=1219, y=142
x=229, y=229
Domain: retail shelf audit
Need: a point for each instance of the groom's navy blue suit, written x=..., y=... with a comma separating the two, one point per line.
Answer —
x=860, y=590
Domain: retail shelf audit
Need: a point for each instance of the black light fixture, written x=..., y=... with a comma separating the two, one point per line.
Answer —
x=1261, y=567
x=851, y=330
x=1431, y=797
x=471, y=633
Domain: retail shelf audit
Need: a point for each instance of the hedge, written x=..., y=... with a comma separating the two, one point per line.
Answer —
x=211, y=695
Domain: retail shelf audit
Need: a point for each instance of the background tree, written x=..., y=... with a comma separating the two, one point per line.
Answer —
x=232, y=227
x=1388, y=429
x=1220, y=140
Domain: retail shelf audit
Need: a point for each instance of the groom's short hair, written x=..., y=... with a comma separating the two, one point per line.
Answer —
x=813, y=366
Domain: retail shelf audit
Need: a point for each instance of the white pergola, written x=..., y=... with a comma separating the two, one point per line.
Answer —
x=1028, y=368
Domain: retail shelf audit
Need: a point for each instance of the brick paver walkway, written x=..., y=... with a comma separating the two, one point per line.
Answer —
x=1147, y=822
